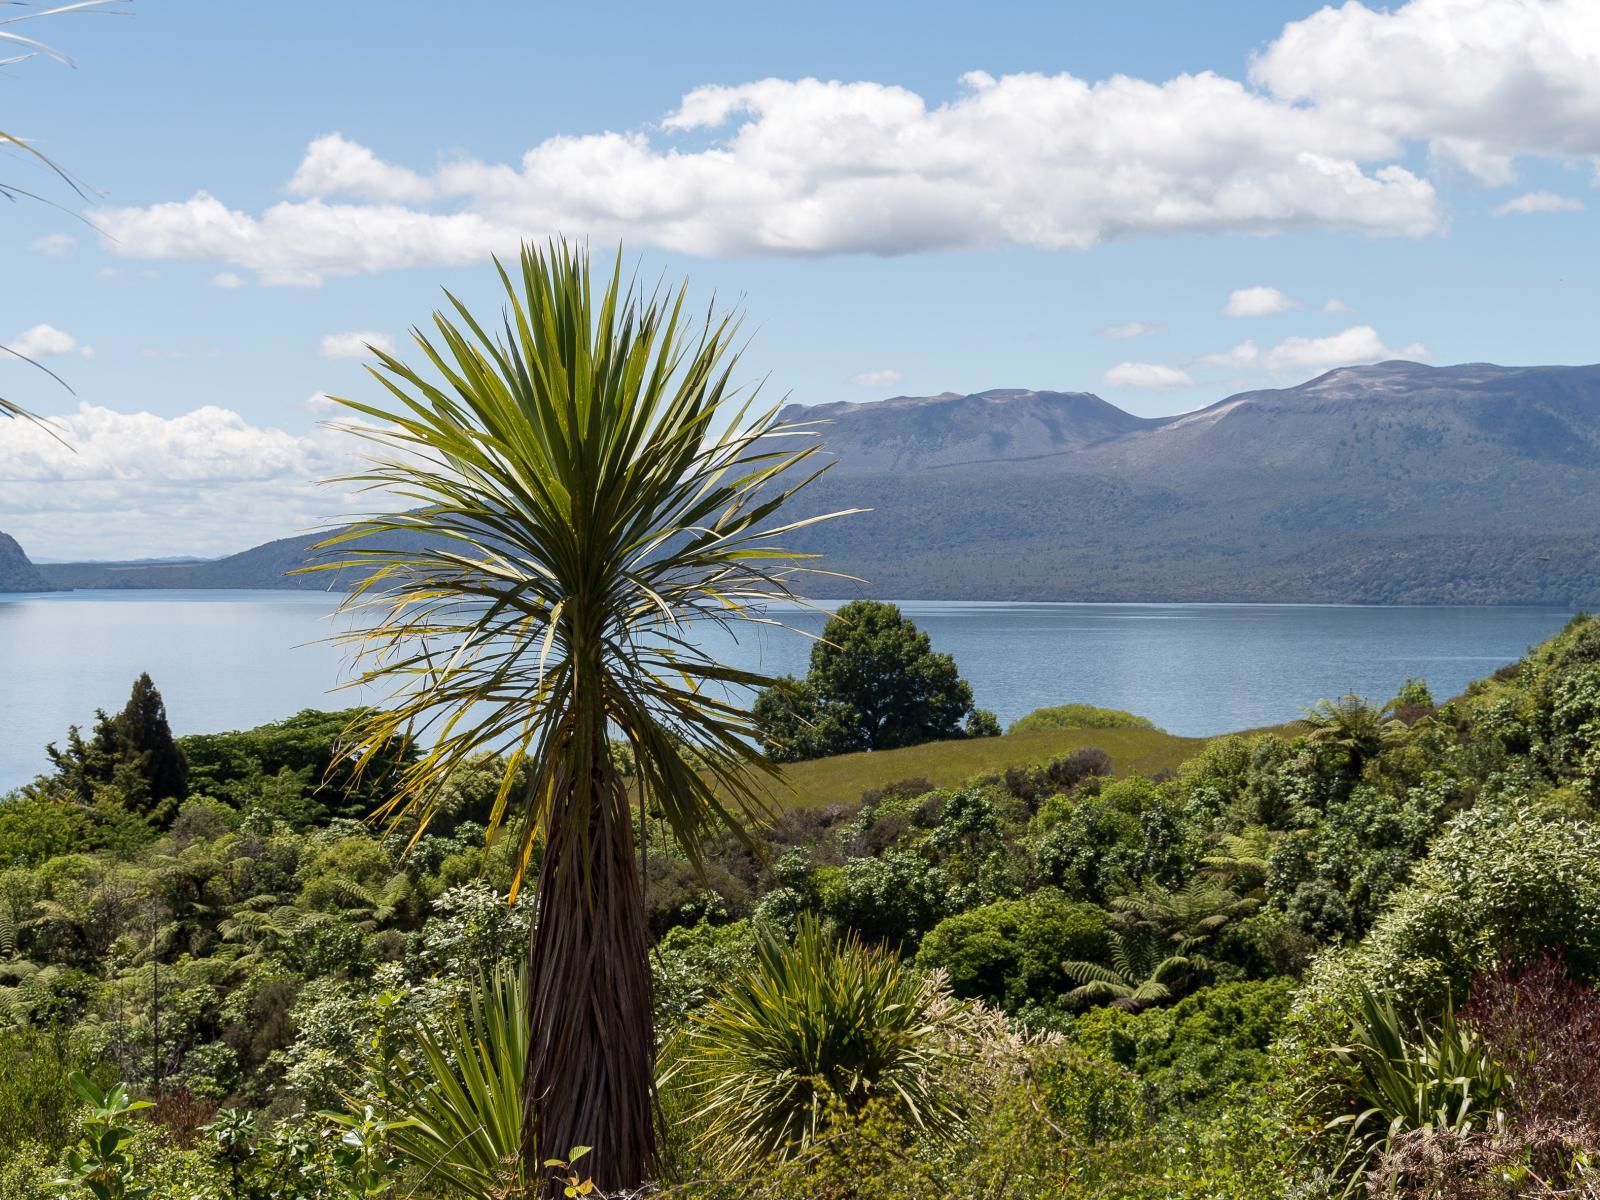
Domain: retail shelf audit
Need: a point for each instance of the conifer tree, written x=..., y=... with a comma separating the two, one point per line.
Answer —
x=142, y=732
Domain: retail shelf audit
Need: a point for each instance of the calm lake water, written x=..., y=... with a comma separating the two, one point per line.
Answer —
x=230, y=660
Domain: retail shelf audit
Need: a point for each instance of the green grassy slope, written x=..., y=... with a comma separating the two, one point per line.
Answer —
x=842, y=779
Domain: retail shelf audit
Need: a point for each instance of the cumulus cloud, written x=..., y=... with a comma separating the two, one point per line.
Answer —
x=1300, y=355
x=1152, y=376
x=121, y=485
x=816, y=167
x=1358, y=344
x=54, y=245
x=1131, y=329
x=354, y=344
x=887, y=377
x=46, y=341
x=1480, y=81
x=227, y=279
x=334, y=164
x=1314, y=137
x=1538, y=202
x=1336, y=305
x=1257, y=302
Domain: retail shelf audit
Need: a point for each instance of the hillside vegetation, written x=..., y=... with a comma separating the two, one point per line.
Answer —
x=1105, y=963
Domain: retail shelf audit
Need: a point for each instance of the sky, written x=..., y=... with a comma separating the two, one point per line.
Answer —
x=1161, y=202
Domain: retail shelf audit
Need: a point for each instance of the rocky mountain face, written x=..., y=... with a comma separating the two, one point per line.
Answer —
x=1392, y=483
x=17, y=574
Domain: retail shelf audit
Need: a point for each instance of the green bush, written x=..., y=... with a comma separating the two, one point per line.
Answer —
x=33, y=830
x=895, y=898
x=1198, y=1049
x=1088, y=846
x=1093, y=1100
x=1010, y=953
x=1079, y=716
x=1523, y=881
x=692, y=961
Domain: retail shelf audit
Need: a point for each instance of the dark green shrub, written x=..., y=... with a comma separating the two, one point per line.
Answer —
x=1089, y=848
x=895, y=898
x=1011, y=952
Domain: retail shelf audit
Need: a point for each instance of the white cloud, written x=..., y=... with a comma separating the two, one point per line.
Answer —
x=1245, y=354
x=1131, y=329
x=54, y=245
x=1146, y=375
x=46, y=341
x=1257, y=302
x=1538, y=202
x=334, y=165
x=1336, y=305
x=1358, y=344
x=122, y=485
x=1313, y=138
x=228, y=279
x=107, y=273
x=1481, y=81
x=887, y=377
x=354, y=344
x=813, y=167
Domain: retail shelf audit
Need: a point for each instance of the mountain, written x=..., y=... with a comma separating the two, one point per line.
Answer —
x=269, y=565
x=909, y=433
x=1393, y=483
x=17, y=574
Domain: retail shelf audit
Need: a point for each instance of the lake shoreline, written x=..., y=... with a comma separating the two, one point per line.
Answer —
x=238, y=658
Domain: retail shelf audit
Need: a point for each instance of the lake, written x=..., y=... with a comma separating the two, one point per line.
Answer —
x=229, y=660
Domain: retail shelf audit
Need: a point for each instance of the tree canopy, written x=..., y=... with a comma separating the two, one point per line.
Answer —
x=875, y=684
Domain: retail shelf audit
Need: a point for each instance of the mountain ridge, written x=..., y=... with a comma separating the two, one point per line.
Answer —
x=1394, y=482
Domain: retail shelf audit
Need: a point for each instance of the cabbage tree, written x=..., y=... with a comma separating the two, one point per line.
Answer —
x=581, y=486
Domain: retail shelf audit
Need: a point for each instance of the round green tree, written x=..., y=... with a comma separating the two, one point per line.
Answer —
x=875, y=684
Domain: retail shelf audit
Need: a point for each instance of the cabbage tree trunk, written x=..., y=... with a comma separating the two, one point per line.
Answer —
x=591, y=1050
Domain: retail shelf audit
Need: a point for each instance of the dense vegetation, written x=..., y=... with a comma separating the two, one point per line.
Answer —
x=1356, y=951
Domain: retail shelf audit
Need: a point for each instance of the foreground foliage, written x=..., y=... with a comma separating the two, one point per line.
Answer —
x=1390, y=945
x=818, y=1027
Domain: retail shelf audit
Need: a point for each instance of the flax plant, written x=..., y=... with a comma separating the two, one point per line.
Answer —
x=583, y=484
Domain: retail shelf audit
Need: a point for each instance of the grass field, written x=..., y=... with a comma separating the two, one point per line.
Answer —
x=841, y=780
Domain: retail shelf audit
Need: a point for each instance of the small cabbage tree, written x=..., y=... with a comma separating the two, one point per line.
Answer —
x=823, y=1025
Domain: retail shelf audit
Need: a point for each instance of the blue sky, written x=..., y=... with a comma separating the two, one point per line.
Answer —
x=961, y=197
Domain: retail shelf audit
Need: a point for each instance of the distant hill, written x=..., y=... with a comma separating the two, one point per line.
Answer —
x=17, y=574
x=265, y=566
x=1394, y=483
